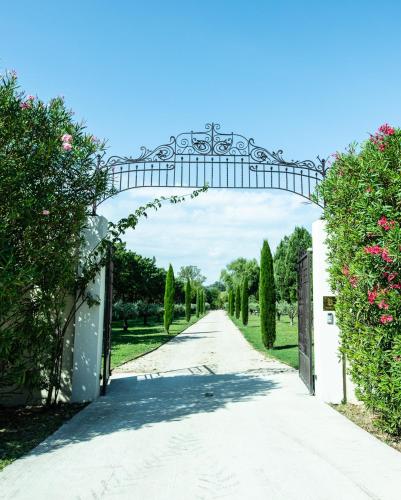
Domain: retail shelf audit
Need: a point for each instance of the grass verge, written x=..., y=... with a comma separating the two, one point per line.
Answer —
x=140, y=339
x=366, y=419
x=286, y=345
x=21, y=429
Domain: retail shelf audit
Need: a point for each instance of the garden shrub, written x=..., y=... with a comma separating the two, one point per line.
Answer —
x=362, y=193
x=188, y=292
x=245, y=301
x=237, y=301
x=169, y=299
x=48, y=181
x=267, y=297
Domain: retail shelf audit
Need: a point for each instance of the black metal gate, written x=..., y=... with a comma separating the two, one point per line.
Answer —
x=107, y=320
x=305, y=321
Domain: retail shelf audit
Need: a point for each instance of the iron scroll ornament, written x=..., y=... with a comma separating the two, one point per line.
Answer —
x=213, y=158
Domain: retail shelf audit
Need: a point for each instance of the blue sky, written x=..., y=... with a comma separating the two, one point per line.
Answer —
x=305, y=76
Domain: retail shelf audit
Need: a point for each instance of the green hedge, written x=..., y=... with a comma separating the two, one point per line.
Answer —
x=362, y=193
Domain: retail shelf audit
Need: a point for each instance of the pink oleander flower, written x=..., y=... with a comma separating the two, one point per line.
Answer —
x=369, y=189
x=372, y=295
x=353, y=281
x=385, y=223
x=383, y=304
x=374, y=250
x=66, y=138
x=30, y=98
x=386, y=318
x=45, y=212
x=385, y=256
x=345, y=270
x=67, y=146
x=25, y=105
x=395, y=286
x=386, y=129
x=391, y=276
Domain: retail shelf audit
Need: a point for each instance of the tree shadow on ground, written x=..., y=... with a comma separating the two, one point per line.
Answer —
x=153, y=338
x=141, y=339
x=287, y=346
x=132, y=404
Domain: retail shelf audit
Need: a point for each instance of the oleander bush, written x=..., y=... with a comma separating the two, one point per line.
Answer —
x=362, y=193
x=48, y=181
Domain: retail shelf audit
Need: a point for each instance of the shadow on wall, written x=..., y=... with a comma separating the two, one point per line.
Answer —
x=133, y=404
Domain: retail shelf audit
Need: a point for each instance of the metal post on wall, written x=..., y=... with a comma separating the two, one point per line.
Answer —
x=108, y=310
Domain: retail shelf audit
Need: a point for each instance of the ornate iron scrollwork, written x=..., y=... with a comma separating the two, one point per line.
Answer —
x=221, y=160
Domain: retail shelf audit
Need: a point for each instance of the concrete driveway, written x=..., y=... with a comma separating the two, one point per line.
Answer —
x=207, y=417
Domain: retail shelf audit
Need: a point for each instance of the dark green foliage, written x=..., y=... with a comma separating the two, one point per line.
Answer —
x=169, y=299
x=245, y=302
x=213, y=294
x=136, y=278
x=362, y=213
x=188, y=300
x=286, y=263
x=193, y=273
x=197, y=302
x=280, y=269
x=234, y=273
x=267, y=297
x=238, y=301
x=231, y=302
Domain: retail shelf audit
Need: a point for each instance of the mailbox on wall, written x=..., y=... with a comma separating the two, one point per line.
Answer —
x=329, y=303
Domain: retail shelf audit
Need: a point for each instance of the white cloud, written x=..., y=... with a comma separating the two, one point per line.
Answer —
x=213, y=229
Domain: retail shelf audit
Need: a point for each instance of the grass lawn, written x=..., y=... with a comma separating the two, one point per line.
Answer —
x=286, y=345
x=141, y=339
x=21, y=429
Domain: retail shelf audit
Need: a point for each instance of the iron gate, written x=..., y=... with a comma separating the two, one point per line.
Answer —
x=305, y=321
x=107, y=320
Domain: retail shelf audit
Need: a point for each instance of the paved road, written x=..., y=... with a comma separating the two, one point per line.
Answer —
x=207, y=417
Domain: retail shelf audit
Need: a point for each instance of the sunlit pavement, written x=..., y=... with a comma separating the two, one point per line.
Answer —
x=205, y=417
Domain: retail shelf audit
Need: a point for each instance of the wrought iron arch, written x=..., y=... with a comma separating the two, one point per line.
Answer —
x=213, y=158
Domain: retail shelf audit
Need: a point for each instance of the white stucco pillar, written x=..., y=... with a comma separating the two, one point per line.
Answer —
x=328, y=363
x=88, y=338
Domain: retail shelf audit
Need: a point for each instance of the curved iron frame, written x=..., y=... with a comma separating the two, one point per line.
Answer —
x=220, y=160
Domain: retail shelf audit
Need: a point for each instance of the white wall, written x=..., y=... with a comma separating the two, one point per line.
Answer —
x=328, y=364
x=88, y=337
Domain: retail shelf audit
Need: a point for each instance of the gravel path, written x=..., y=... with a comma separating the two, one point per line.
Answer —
x=207, y=417
x=214, y=342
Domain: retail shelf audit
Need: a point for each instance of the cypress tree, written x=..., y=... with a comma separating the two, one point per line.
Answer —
x=245, y=301
x=201, y=301
x=229, y=301
x=197, y=303
x=169, y=299
x=238, y=302
x=188, y=300
x=267, y=297
x=232, y=303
